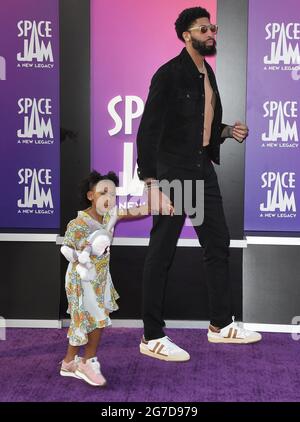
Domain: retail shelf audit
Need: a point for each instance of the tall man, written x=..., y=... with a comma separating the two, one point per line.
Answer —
x=179, y=136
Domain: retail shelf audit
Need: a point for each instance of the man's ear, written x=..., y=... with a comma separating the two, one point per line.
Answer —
x=186, y=36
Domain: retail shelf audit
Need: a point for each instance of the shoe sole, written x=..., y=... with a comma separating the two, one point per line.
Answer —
x=86, y=379
x=162, y=357
x=68, y=374
x=231, y=340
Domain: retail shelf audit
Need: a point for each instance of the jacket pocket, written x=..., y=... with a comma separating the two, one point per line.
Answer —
x=187, y=102
x=162, y=169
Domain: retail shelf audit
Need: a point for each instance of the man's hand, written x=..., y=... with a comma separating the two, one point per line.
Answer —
x=240, y=132
x=158, y=202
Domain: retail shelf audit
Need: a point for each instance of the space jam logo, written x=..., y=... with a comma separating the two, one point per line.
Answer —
x=37, y=195
x=284, y=46
x=37, y=48
x=282, y=130
x=36, y=121
x=124, y=111
x=280, y=195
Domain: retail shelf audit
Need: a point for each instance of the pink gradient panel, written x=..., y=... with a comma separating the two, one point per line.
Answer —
x=130, y=40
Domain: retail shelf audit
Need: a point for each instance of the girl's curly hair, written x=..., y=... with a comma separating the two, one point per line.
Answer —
x=90, y=181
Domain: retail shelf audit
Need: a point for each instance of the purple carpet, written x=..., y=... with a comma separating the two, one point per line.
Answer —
x=267, y=371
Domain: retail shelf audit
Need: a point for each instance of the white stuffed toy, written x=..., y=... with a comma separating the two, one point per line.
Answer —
x=98, y=244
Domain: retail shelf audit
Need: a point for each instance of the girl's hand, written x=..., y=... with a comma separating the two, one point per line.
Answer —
x=159, y=203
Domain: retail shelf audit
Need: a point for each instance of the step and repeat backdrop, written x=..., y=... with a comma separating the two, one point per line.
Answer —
x=273, y=98
x=130, y=39
x=29, y=114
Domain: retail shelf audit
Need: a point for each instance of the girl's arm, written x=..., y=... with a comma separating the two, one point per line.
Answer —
x=134, y=212
x=139, y=212
x=76, y=235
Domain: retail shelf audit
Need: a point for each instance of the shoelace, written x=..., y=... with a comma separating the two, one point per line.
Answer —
x=242, y=331
x=169, y=345
x=95, y=365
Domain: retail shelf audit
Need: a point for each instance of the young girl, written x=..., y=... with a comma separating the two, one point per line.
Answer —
x=90, y=302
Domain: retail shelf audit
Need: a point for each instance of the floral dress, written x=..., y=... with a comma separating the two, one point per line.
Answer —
x=89, y=302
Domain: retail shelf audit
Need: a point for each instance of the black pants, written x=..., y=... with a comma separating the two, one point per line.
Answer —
x=213, y=236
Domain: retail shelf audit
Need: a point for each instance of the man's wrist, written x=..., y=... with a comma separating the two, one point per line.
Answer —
x=151, y=183
x=227, y=132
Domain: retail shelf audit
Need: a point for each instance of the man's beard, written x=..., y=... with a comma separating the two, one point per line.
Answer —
x=203, y=49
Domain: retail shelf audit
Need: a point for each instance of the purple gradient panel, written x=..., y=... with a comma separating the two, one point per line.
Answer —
x=130, y=40
x=270, y=79
x=33, y=81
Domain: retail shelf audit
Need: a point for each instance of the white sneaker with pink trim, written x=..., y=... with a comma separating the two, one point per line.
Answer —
x=90, y=372
x=69, y=369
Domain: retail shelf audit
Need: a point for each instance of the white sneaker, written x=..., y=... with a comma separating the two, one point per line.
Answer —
x=233, y=334
x=164, y=349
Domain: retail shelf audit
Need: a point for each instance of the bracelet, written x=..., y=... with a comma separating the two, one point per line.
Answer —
x=151, y=184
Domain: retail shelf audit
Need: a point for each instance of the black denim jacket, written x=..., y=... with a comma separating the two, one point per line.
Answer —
x=171, y=128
